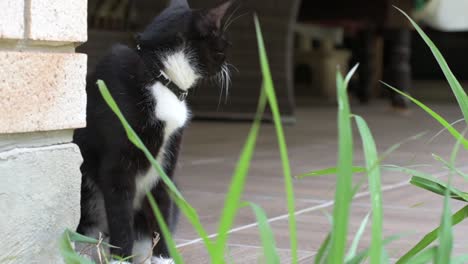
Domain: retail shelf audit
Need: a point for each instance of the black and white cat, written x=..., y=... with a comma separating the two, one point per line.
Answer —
x=149, y=83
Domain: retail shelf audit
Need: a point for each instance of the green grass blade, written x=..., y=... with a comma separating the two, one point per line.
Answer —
x=361, y=256
x=329, y=171
x=445, y=232
x=444, y=129
x=460, y=259
x=192, y=216
x=322, y=253
x=370, y=152
x=396, y=146
x=344, y=177
x=166, y=234
x=68, y=253
x=450, y=166
x=359, y=169
x=434, y=115
x=438, y=187
x=270, y=92
x=186, y=209
x=385, y=258
x=122, y=260
x=459, y=216
x=455, y=85
x=428, y=185
x=357, y=187
x=357, y=237
x=266, y=235
x=232, y=200
x=76, y=237
x=350, y=74
x=427, y=182
x=427, y=256
x=444, y=250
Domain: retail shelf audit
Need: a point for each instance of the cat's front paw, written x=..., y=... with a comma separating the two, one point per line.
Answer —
x=161, y=260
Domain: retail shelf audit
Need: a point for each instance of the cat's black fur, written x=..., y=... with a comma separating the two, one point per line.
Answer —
x=111, y=163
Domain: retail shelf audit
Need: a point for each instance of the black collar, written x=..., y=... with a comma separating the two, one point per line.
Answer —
x=164, y=79
x=179, y=93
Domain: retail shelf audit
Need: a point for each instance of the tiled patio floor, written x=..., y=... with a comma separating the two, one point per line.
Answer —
x=211, y=150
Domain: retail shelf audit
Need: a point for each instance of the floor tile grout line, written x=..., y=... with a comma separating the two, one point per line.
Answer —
x=281, y=217
x=306, y=257
x=313, y=208
x=274, y=219
x=263, y=197
x=259, y=247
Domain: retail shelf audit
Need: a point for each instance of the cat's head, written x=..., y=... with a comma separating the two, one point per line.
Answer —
x=199, y=33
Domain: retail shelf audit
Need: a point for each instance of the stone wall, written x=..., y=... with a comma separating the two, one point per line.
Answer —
x=42, y=99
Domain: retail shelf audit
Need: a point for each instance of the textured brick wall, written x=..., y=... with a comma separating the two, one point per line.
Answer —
x=42, y=99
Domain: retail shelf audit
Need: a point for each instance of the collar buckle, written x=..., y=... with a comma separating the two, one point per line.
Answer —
x=183, y=96
x=166, y=81
x=163, y=75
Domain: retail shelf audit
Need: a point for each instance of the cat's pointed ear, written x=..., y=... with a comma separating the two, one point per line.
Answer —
x=179, y=3
x=216, y=15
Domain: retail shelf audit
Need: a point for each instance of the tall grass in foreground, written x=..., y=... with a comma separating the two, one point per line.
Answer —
x=334, y=247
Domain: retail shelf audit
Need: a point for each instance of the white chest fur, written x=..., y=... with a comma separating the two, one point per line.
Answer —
x=174, y=113
x=169, y=109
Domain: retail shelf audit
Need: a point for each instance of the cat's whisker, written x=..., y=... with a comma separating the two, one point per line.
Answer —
x=218, y=77
x=223, y=79
x=228, y=77
x=230, y=17
x=234, y=19
x=232, y=66
x=232, y=14
x=226, y=80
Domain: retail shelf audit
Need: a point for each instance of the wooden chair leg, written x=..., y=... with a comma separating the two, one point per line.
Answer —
x=397, y=71
x=366, y=53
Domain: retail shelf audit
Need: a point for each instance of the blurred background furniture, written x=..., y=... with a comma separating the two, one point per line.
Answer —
x=321, y=62
x=378, y=37
x=443, y=15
